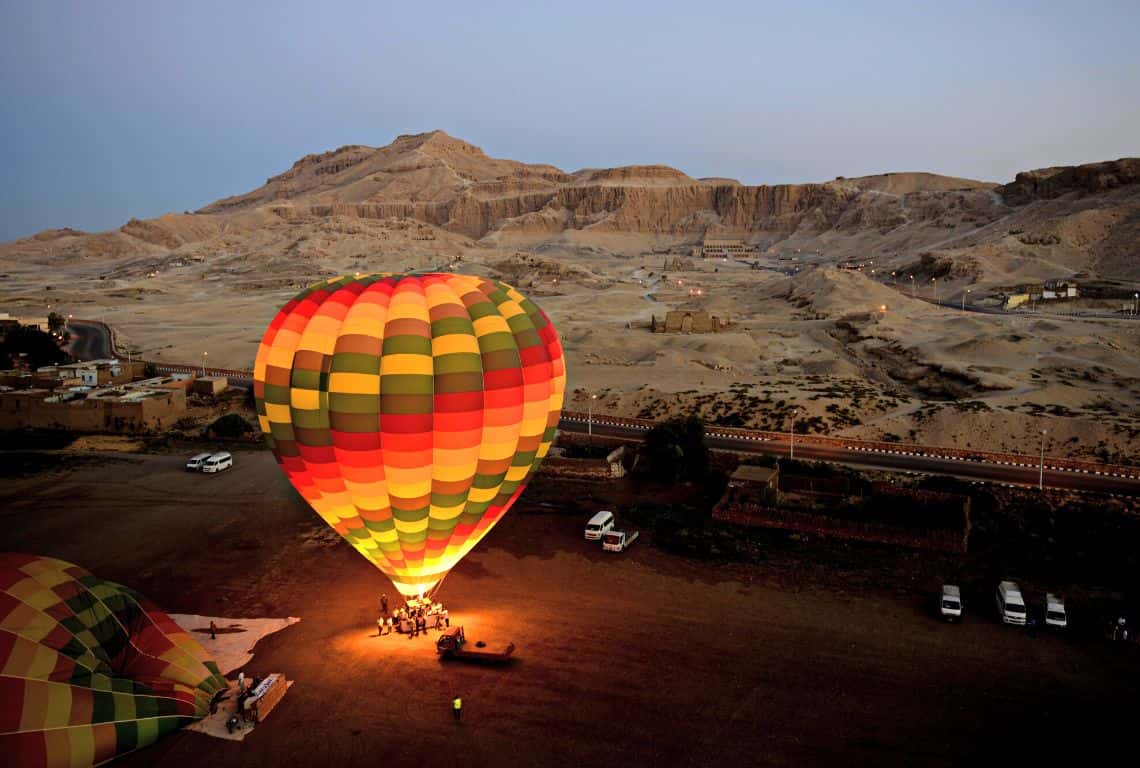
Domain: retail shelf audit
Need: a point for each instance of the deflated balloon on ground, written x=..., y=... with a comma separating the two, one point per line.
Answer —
x=90, y=669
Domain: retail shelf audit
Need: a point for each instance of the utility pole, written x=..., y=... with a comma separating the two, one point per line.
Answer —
x=792, y=441
x=590, y=418
x=1041, y=469
x=964, y=300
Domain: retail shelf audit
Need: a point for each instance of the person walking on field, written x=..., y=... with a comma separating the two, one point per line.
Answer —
x=457, y=708
x=213, y=630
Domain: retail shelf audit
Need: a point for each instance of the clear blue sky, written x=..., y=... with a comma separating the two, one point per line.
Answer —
x=117, y=109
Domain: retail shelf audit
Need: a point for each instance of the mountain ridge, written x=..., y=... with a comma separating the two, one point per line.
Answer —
x=451, y=185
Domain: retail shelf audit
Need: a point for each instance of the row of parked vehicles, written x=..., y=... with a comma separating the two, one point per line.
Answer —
x=1010, y=604
x=601, y=527
x=210, y=462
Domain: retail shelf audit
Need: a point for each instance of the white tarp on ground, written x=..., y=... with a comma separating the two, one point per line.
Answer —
x=231, y=649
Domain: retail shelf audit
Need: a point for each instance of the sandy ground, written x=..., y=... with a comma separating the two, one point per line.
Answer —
x=639, y=659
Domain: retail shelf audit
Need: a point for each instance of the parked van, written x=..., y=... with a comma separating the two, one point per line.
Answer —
x=218, y=462
x=194, y=463
x=599, y=524
x=1010, y=605
x=951, y=604
x=1055, y=615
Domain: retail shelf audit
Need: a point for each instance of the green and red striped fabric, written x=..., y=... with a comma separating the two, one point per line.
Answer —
x=410, y=410
x=88, y=668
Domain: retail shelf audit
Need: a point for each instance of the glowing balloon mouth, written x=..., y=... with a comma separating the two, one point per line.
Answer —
x=417, y=590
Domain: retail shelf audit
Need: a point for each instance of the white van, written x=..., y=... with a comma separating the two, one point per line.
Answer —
x=599, y=524
x=217, y=462
x=194, y=463
x=1010, y=605
x=1055, y=615
x=951, y=604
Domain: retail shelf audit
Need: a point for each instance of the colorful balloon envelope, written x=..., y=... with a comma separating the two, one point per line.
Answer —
x=410, y=411
x=89, y=669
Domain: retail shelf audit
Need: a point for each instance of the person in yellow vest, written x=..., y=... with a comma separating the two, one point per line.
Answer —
x=457, y=707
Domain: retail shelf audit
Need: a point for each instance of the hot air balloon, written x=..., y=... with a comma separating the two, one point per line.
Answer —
x=410, y=410
x=88, y=668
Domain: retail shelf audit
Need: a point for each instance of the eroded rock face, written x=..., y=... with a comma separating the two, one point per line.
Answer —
x=449, y=183
x=442, y=182
x=1047, y=183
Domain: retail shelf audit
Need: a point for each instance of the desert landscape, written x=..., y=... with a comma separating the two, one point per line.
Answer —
x=855, y=312
x=530, y=384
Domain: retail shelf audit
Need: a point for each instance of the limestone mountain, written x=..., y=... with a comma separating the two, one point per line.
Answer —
x=1083, y=219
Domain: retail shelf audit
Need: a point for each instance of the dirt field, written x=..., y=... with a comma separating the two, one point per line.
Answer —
x=637, y=659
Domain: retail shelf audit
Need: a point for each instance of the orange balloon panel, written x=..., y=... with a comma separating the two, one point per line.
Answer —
x=410, y=410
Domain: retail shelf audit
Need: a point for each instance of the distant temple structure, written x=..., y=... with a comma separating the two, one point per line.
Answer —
x=686, y=321
x=725, y=249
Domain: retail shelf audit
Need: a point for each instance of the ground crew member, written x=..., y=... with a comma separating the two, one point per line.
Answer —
x=384, y=604
x=457, y=707
x=380, y=626
x=213, y=631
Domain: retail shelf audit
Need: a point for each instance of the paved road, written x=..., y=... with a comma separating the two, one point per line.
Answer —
x=1039, y=314
x=90, y=340
x=898, y=462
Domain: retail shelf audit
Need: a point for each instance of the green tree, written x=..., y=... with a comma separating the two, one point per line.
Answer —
x=676, y=450
x=31, y=346
x=230, y=425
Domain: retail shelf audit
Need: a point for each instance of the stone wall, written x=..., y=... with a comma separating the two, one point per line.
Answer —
x=686, y=321
x=32, y=409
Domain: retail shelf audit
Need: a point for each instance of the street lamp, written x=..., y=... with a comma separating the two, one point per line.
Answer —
x=590, y=418
x=964, y=300
x=934, y=288
x=204, y=364
x=912, y=289
x=792, y=433
x=1041, y=468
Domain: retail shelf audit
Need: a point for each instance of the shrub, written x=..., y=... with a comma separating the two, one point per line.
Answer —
x=230, y=425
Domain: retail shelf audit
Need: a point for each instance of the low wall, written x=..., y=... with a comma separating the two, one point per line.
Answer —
x=872, y=446
x=93, y=414
x=822, y=525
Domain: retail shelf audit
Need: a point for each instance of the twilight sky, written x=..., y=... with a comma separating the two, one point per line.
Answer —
x=118, y=109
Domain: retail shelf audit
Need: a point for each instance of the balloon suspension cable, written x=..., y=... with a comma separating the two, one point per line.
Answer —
x=431, y=593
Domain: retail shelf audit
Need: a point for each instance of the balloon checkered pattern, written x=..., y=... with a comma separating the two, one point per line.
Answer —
x=89, y=669
x=410, y=410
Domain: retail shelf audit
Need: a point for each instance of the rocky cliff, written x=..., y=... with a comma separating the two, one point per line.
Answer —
x=449, y=183
x=1078, y=218
x=1048, y=183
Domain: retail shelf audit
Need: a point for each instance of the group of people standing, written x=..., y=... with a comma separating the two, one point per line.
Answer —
x=414, y=617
